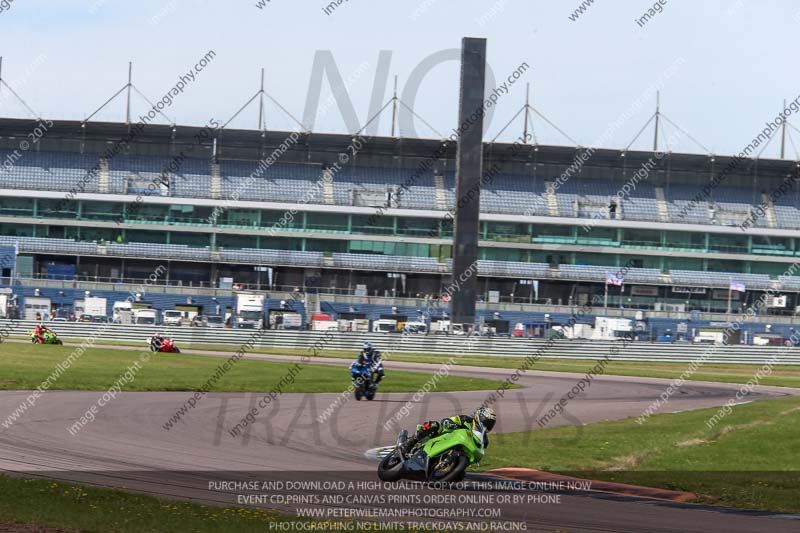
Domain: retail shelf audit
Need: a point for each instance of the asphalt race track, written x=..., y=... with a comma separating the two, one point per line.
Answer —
x=128, y=446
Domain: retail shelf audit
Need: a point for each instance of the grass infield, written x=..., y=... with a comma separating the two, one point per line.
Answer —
x=26, y=366
x=749, y=459
x=33, y=504
x=781, y=375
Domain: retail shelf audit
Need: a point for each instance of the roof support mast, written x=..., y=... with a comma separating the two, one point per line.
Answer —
x=658, y=119
x=130, y=84
x=261, y=121
x=394, y=105
x=783, y=133
x=128, y=87
x=527, y=112
x=260, y=94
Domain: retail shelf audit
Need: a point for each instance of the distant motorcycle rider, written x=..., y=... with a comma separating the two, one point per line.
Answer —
x=372, y=358
x=156, y=341
x=483, y=416
x=39, y=332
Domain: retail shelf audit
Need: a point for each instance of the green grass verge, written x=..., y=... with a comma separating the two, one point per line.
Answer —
x=781, y=376
x=750, y=459
x=26, y=366
x=42, y=503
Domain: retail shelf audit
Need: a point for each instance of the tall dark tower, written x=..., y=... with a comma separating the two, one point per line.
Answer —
x=469, y=166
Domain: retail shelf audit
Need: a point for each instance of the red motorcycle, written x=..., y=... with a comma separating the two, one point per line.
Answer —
x=163, y=345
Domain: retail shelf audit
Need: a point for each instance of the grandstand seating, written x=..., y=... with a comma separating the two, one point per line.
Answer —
x=790, y=283
x=599, y=273
x=295, y=182
x=720, y=279
x=165, y=251
x=509, y=268
x=280, y=182
x=278, y=257
x=733, y=205
x=585, y=199
x=385, y=262
x=56, y=171
x=421, y=193
x=787, y=210
x=641, y=204
x=379, y=262
x=192, y=179
x=506, y=193
x=42, y=245
x=187, y=177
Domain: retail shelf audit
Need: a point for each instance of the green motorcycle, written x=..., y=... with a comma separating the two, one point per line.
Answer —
x=48, y=337
x=443, y=458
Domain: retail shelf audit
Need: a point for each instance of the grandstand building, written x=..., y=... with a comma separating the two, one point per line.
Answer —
x=373, y=216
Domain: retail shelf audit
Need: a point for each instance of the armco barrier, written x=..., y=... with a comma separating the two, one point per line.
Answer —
x=414, y=343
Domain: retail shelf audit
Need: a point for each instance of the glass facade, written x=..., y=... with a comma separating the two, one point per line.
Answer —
x=388, y=232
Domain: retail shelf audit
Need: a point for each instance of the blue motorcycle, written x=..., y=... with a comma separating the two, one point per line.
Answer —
x=364, y=382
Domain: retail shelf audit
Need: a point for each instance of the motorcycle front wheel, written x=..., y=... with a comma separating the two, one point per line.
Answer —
x=450, y=468
x=391, y=467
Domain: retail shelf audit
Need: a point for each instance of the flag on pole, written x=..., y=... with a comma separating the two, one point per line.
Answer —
x=736, y=286
x=613, y=279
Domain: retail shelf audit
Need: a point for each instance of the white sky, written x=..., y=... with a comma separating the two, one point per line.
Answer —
x=737, y=60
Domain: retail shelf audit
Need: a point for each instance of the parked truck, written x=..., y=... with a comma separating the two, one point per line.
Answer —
x=94, y=306
x=173, y=317
x=384, y=325
x=290, y=321
x=323, y=322
x=574, y=331
x=612, y=329
x=146, y=317
x=118, y=309
x=4, y=299
x=249, y=312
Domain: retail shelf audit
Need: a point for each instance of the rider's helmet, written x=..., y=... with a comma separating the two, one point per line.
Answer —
x=486, y=416
x=367, y=347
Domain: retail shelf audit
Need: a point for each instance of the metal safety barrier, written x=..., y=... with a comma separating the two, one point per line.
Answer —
x=76, y=333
